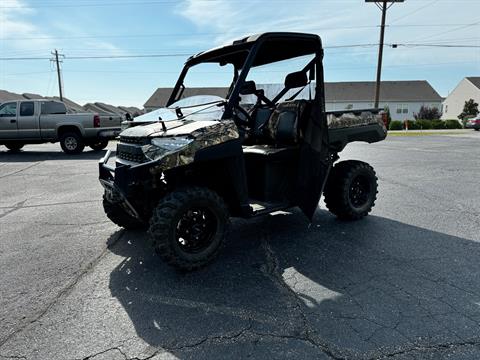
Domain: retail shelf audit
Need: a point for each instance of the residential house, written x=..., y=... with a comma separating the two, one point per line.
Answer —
x=468, y=88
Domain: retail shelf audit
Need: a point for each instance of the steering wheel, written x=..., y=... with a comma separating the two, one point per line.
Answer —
x=246, y=121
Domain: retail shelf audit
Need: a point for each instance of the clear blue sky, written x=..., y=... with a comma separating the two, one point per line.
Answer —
x=33, y=28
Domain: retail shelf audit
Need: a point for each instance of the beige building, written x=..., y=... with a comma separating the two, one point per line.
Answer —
x=468, y=88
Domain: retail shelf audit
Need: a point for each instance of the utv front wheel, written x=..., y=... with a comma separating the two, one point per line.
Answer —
x=119, y=216
x=188, y=227
x=351, y=190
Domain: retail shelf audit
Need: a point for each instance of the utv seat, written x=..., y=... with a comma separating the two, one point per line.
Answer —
x=284, y=127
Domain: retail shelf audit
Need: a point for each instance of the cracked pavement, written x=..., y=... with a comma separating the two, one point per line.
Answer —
x=404, y=283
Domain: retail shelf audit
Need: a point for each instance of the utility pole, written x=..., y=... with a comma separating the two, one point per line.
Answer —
x=382, y=5
x=59, y=74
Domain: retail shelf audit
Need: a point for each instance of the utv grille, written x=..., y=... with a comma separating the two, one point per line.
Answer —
x=131, y=152
x=134, y=140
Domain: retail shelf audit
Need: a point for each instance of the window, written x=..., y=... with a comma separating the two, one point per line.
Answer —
x=27, y=108
x=53, y=107
x=349, y=107
x=402, y=109
x=8, y=110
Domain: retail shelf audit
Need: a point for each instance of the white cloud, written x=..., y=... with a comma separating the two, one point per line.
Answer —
x=20, y=34
x=15, y=25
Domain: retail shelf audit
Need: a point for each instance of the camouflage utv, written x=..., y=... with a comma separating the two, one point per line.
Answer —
x=188, y=167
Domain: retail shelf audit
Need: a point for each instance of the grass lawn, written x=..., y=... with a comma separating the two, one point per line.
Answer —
x=423, y=133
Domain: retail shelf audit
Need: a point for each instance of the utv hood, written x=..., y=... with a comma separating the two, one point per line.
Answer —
x=177, y=144
x=173, y=128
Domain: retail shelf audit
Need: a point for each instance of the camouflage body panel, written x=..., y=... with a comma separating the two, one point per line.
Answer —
x=349, y=119
x=203, y=137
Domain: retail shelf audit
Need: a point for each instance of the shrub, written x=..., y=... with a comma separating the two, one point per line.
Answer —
x=396, y=125
x=428, y=113
x=423, y=124
x=438, y=124
x=452, y=124
x=411, y=125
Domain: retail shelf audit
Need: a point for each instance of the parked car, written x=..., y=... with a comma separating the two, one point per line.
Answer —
x=473, y=123
x=40, y=121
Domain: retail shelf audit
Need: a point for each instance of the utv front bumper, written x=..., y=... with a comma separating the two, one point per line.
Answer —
x=117, y=182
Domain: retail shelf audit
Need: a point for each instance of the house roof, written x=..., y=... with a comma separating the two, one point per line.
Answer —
x=110, y=108
x=475, y=80
x=417, y=90
x=31, y=96
x=161, y=95
x=96, y=109
x=9, y=96
x=132, y=110
x=358, y=91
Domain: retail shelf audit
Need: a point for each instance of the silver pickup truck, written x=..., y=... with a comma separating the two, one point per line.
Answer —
x=41, y=121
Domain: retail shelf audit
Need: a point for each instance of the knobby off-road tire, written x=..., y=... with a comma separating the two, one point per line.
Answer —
x=120, y=217
x=188, y=227
x=351, y=190
x=72, y=143
x=14, y=147
x=98, y=145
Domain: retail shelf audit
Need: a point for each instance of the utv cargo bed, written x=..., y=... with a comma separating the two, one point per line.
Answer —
x=356, y=125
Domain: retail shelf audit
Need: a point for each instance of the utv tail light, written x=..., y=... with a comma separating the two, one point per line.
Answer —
x=96, y=121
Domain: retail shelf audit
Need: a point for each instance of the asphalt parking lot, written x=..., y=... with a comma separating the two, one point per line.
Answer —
x=404, y=283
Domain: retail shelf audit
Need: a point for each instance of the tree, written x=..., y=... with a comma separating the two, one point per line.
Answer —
x=389, y=117
x=470, y=109
x=427, y=113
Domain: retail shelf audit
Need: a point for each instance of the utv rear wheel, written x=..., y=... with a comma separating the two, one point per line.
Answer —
x=188, y=227
x=351, y=190
x=99, y=145
x=119, y=216
x=72, y=143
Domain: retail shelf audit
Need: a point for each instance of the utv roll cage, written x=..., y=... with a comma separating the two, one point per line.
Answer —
x=258, y=50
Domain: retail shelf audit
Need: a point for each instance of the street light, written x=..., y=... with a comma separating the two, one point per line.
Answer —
x=382, y=5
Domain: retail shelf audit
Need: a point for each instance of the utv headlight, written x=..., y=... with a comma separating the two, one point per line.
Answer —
x=170, y=144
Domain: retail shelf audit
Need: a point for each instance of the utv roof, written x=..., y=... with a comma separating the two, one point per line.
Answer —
x=277, y=46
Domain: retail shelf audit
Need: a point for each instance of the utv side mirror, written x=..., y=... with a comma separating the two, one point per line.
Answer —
x=248, y=88
x=296, y=80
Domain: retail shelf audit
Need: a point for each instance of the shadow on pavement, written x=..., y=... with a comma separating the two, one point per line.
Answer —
x=359, y=289
x=7, y=156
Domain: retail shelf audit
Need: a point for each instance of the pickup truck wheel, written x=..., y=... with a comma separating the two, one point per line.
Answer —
x=14, y=146
x=99, y=145
x=351, y=190
x=119, y=216
x=188, y=227
x=71, y=143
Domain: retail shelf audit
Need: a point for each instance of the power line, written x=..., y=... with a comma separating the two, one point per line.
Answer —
x=413, y=12
x=140, y=56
